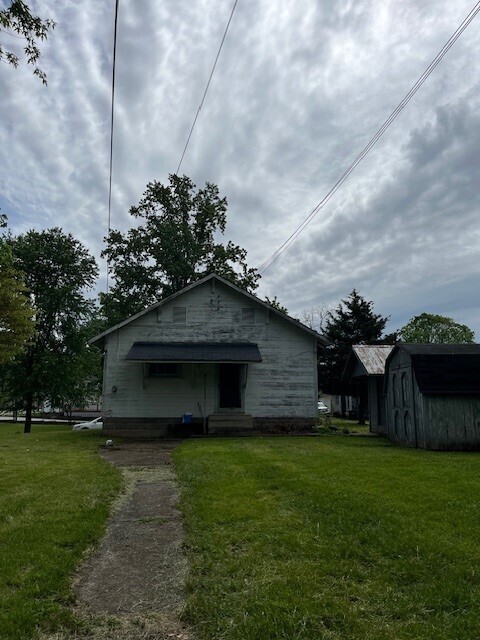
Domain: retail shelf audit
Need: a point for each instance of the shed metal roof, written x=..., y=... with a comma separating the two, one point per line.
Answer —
x=373, y=357
x=366, y=360
x=194, y=352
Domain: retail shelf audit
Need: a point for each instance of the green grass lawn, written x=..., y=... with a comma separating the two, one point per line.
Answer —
x=330, y=538
x=342, y=424
x=55, y=495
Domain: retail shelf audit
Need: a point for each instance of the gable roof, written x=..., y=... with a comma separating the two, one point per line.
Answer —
x=444, y=368
x=367, y=360
x=99, y=338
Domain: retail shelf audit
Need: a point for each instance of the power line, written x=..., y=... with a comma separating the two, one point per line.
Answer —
x=379, y=133
x=208, y=85
x=111, y=129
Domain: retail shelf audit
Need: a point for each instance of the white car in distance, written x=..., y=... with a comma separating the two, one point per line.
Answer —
x=322, y=407
x=93, y=424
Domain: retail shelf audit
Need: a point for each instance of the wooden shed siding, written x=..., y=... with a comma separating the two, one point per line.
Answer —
x=283, y=384
x=401, y=401
x=451, y=422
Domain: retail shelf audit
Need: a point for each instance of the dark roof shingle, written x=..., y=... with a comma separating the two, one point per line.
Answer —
x=452, y=369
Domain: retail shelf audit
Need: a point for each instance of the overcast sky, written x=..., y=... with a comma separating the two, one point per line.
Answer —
x=299, y=89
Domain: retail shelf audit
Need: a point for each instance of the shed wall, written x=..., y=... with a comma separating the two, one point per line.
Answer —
x=450, y=422
x=401, y=401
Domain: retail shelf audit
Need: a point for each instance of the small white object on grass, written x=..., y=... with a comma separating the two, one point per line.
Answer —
x=109, y=443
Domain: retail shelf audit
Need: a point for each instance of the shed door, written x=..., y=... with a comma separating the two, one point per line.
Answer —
x=229, y=386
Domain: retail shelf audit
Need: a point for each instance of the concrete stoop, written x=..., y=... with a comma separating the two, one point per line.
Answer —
x=226, y=423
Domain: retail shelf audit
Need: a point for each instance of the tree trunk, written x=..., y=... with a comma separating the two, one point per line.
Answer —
x=28, y=414
x=343, y=406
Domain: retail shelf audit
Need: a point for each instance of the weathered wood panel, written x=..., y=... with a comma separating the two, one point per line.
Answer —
x=400, y=401
x=452, y=422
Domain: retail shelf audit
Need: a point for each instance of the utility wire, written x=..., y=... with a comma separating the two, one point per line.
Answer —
x=111, y=132
x=208, y=85
x=433, y=64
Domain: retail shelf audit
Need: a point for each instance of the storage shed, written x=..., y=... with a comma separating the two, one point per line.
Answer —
x=433, y=396
x=367, y=363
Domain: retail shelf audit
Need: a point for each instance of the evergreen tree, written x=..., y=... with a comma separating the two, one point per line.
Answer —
x=352, y=322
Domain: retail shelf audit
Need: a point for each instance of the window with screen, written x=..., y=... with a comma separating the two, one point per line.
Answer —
x=164, y=370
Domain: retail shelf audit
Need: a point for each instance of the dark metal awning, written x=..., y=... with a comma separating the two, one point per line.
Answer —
x=194, y=352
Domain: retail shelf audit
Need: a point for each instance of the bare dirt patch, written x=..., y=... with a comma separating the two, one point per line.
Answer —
x=132, y=585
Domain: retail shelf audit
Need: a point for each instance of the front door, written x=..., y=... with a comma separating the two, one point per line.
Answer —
x=229, y=386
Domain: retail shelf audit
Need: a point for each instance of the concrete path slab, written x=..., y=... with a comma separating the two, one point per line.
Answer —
x=132, y=586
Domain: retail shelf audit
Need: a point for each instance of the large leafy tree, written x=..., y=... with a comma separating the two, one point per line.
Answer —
x=276, y=304
x=58, y=270
x=18, y=21
x=16, y=323
x=174, y=245
x=429, y=327
x=352, y=322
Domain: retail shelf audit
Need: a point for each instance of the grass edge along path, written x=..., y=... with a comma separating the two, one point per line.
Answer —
x=330, y=538
x=56, y=494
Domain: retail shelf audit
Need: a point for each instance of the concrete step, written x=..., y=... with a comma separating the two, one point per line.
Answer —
x=229, y=423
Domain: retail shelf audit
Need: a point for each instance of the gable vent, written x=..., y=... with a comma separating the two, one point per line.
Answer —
x=179, y=315
x=248, y=315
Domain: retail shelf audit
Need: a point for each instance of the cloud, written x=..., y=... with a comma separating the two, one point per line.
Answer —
x=299, y=90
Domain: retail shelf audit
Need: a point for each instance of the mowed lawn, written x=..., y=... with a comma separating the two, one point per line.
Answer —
x=55, y=496
x=330, y=537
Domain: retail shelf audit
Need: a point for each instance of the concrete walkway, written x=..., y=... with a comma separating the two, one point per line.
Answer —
x=133, y=583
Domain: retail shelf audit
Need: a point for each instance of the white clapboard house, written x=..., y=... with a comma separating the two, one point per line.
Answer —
x=210, y=358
